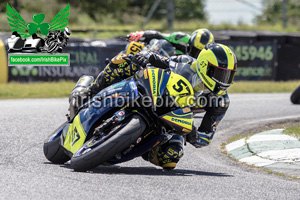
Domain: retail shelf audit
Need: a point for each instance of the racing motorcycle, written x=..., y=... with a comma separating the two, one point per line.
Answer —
x=124, y=120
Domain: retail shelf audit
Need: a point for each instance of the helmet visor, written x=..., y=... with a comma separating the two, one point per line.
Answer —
x=223, y=77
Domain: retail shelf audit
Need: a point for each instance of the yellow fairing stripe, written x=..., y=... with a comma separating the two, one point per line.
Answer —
x=75, y=136
x=161, y=79
x=181, y=115
x=182, y=122
x=153, y=77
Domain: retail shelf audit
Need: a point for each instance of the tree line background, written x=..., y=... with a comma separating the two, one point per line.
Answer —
x=92, y=14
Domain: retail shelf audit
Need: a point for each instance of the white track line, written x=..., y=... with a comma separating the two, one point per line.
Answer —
x=285, y=155
x=235, y=144
x=257, y=161
x=261, y=138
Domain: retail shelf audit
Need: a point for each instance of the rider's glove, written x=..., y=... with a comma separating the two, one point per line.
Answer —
x=199, y=139
x=158, y=61
x=140, y=59
x=135, y=36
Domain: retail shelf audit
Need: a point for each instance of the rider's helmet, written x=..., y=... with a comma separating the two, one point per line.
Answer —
x=216, y=66
x=198, y=40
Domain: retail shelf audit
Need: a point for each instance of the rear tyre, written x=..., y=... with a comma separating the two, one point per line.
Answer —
x=87, y=158
x=53, y=149
x=295, y=97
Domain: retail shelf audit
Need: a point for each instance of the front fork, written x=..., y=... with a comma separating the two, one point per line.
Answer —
x=72, y=109
x=114, y=120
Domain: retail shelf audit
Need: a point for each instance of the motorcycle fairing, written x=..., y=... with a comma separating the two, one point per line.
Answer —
x=153, y=82
x=180, y=88
x=157, y=80
x=81, y=125
x=75, y=136
x=181, y=120
x=112, y=97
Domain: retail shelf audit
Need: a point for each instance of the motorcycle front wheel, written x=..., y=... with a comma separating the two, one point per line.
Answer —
x=53, y=149
x=96, y=151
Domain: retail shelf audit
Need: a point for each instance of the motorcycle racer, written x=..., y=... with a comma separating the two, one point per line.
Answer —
x=211, y=74
x=184, y=44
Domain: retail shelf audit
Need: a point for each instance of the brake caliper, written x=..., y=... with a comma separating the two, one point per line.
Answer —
x=116, y=118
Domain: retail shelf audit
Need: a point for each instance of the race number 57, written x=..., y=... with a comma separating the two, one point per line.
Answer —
x=178, y=87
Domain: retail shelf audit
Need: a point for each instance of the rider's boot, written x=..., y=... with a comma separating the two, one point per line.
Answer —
x=166, y=155
x=99, y=84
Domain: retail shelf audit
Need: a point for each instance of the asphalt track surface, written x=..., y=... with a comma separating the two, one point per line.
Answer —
x=201, y=174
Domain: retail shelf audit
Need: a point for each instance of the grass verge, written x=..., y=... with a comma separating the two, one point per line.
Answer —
x=293, y=131
x=263, y=86
x=63, y=88
x=36, y=90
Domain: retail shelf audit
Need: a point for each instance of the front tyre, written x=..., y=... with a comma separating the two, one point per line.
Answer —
x=88, y=157
x=53, y=150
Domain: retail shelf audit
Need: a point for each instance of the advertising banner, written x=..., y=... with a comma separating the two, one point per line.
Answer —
x=256, y=61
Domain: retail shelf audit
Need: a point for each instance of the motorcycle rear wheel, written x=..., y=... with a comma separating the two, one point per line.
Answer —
x=122, y=139
x=53, y=150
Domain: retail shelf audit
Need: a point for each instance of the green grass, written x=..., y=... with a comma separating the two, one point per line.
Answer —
x=63, y=88
x=263, y=86
x=36, y=90
x=293, y=131
x=238, y=137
